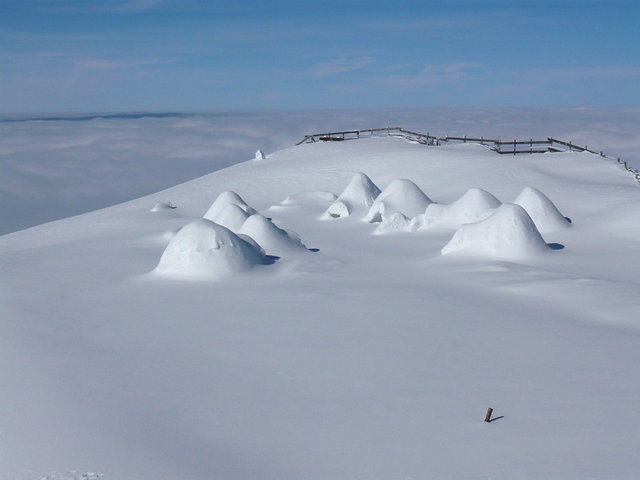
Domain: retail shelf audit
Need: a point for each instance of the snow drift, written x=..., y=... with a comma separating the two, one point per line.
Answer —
x=397, y=222
x=360, y=193
x=162, y=206
x=509, y=233
x=542, y=210
x=232, y=217
x=310, y=198
x=205, y=250
x=273, y=239
x=224, y=199
x=402, y=196
x=475, y=205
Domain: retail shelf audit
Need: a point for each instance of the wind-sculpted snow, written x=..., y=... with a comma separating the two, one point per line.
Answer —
x=509, y=234
x=475, y=205
x=232, y=217
x=397, y=222
x=204, y=250
x=542, y=210
x=307, y=367
x=358, y=195
x=402, y=196
x=273, y=239
x=222, y=201
x=163, y=206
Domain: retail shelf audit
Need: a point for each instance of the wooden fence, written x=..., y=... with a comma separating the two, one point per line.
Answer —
x=515, y=147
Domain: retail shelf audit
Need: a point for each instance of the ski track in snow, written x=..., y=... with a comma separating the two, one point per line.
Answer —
x=375, y=357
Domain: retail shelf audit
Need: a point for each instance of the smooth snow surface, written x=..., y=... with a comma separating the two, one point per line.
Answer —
x=232, y=217
x=310, y=198
x=205, y=250
x=508, y=234
x=397, y=222
x=222, y=201
x=541, y=209
x=274, y=240
x=374, y=358
x=360, y=193
x=163, y=206
x=402, y=196
x=475, y=205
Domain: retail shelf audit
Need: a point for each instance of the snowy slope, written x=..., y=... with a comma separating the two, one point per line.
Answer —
x=375, y=357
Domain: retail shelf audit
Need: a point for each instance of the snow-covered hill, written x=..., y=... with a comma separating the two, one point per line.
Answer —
x=350, y=354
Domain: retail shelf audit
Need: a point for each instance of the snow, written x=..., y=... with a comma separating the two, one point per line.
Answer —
x=375, y=357
x=476, y=204
x=232, y=217
x=542, y=210
x=358, y=194
x=163, y=206
x=205, y=250
x=223, y=201
x=396, y=222
x=55, y=166
x=310, y=198
x=260, y=155
x=507, y=234
x=274, y=240
x=402, y=196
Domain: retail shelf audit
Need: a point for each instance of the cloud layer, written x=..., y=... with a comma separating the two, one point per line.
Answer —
x=55, y=166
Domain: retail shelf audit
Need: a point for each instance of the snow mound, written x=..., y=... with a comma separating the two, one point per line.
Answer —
x=397, y=222
x=310, y=198
x=273, y=239
x=542, y=210
x=232, y=217
x=205, y=250
x=260, y=155
x=509, y=234
x=163, y=206
x=402, y=196
x=224, y=199
x=360, y=193
x=474, y=206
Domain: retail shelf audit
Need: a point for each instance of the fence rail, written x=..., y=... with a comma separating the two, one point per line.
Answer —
x=513, y=147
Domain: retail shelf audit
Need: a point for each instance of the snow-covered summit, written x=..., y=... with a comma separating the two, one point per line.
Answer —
x=250, y=375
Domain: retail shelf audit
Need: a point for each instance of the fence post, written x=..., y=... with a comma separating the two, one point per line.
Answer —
x=514, y=147
x=487, y=417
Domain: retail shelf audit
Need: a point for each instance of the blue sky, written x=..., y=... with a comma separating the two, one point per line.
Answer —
x=81, y=56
